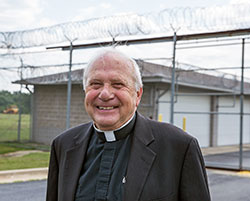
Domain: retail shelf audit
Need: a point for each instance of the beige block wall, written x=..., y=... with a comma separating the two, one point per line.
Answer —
x=49, y=111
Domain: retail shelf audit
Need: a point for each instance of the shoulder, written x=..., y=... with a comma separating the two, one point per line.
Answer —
x=166, y=134
x=68, y=137
x=170, y=141
x=170, y=130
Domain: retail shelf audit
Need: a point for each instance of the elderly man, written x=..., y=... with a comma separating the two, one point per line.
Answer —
x=122, y=156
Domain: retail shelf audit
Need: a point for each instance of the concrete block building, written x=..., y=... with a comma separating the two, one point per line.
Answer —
x=209, y=104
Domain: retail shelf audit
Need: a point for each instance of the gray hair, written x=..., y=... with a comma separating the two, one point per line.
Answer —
x=136, y=70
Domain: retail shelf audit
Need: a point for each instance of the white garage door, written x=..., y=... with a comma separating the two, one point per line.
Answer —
x=229, y=125
x=196, y=124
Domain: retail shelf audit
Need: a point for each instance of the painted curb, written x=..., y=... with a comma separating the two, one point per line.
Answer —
x=10, y=176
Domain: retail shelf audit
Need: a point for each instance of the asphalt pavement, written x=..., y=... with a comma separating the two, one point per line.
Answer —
x=224, y=186
x=23, y=191
x=229, y=186
x=230, y=160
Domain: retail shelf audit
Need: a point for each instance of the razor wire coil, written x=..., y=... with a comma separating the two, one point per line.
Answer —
x=188, y=19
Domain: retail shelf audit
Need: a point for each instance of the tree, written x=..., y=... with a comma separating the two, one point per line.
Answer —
x=22, y=100
x=6, y=100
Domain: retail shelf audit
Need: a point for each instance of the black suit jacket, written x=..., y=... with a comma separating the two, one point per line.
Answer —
x=165, y=164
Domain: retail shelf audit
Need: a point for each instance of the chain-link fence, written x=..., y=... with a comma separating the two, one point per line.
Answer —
x=14, y=127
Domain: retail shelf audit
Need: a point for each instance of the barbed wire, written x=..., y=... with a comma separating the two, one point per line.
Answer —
x=188, y=19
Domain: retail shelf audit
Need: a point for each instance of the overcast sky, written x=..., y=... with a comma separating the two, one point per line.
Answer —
x=27, y=14
x=18, y=15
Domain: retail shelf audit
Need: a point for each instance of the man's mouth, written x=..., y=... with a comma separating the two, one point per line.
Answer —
x=106, y=108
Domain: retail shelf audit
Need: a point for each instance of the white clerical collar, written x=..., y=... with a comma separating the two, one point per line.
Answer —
x=118, y=133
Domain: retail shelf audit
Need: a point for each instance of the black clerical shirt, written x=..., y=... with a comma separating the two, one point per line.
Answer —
x=104, y=169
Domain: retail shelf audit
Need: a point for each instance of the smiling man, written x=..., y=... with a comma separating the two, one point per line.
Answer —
x=111, y=94
x=120, y=155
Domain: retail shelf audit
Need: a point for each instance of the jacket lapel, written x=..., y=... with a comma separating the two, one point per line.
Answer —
x=140, y=161
x=73, y=164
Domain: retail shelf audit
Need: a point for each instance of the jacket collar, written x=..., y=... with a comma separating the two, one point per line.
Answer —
x=142, y=130
x=84, y=134
x=140, y=161
x=73, y=162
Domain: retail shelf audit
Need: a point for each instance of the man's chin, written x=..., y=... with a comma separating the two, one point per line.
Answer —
x=106, y=125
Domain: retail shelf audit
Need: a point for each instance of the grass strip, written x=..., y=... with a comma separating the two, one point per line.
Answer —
x=32, y=160
x=7, y=147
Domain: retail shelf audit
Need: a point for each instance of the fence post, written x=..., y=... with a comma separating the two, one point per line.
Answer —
x=19, y=104
x=241, y=105
x=69, y=83
x=173, y=82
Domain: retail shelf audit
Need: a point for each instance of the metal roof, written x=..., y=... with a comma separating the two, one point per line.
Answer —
x=151, y=73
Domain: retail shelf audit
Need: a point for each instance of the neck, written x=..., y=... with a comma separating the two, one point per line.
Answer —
x=117, y=134
x=123, y=125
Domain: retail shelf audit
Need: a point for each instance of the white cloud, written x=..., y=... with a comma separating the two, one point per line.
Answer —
x=25, y=14
x=98, y=10
x=239, y=2
x=105, y=5
x=44, y=22
x=84, y=13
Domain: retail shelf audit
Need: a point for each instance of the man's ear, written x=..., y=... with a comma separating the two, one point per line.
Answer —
x=138, y=96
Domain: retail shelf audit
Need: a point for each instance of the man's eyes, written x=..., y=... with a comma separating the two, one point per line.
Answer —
x=99, y=84
x=118, y=85
x=95, y=84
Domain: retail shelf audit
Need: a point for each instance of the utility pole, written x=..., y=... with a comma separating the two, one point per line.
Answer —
x=69, y=83
x=173, y=81
x=19, y=104
x=241, y=105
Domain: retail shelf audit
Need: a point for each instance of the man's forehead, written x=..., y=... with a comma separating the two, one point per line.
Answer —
x=111, y=58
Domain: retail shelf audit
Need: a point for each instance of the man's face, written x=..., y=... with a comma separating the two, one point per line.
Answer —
x=111, y=98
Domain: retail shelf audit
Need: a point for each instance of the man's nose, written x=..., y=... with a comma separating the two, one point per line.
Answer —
x=106, y=93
